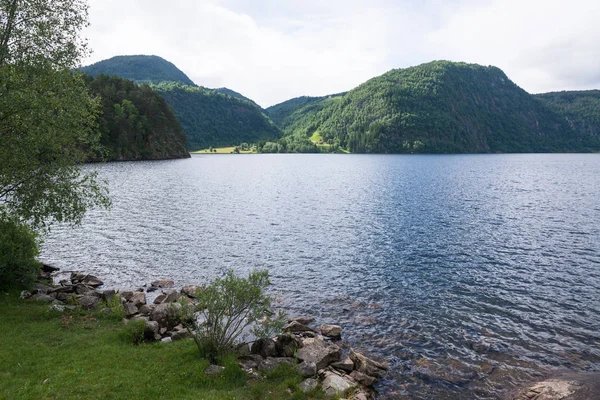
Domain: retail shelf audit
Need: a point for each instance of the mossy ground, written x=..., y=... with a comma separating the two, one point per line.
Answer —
x=50, y=355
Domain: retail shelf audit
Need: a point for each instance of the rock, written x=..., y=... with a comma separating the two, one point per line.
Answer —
x=368, y=366
x=81, y=288
x=242, y=350
x=172, y=297
x=250, y=362
x=60, y=308
x=92, y=281
x=213, y=370
x=569, y=386
x=302, y=320
x=166, y=340
x=332, y=331
x=334, y=384
x=319, y=352
x=160, y=298
x=89, y=302
x=308, y=384
x=25, y=294
x=145, y=309
x=138, y=299
x=65, y=297
x=270, y=363
x=287, y=345
x=190, y=290
x=264, y=347
x=130, y=310
x=181, y=334
x=151, y=330
x=43, y=297
x=163, y=283
x=49, y=268
x=167, y=315
x=307, y=369
x=126, y=295
x=296, y=326
x=344, y=365
x=151, y=289
x=363, y=379
x=108, y=295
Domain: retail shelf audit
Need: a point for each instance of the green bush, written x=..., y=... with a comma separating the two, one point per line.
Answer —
x=18, y=252
x=227, y=307
x=133, y=332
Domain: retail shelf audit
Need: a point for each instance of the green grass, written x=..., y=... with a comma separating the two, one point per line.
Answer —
x=221, y=150
x=87, y=356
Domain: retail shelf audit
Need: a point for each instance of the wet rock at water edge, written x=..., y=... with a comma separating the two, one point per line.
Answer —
x=302, y=320
x=296, y=326
x=363, y=379
x=319, y=352
x=138, y=299
x=190, y=290
x=368, y=366
x=334, y=384
x=331, y=331
x=568, y=386
x=344, y=365
x=163, y=284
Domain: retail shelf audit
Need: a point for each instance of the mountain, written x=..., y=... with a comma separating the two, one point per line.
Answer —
x=438, y=107
x=209, y=117
x=136, y=123
x=140, y=69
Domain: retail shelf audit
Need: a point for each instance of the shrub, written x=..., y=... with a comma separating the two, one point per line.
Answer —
x=226, y=308
x=18, y=252
x=133, y=332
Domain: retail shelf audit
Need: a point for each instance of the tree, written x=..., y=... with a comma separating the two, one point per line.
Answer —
x=47, y=115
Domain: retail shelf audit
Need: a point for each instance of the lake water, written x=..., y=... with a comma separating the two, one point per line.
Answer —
x=471, y=274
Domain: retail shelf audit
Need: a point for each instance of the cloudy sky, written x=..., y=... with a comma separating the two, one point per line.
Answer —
x=274, y=50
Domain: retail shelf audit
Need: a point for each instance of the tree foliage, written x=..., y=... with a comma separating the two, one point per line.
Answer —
x=18, y=252
x=136, y=123
x=47, y=116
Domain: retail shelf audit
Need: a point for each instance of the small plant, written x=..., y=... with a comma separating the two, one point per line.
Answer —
x=227, y=307
x=134, y=331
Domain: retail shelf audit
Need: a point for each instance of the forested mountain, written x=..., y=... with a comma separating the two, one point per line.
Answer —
x=581, y=109
x=209, y=117
x=438, y=107
x=136, y=123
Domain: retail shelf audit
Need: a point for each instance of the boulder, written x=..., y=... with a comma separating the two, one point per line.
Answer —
x=308, y=384
x=242, y=350
x=86, y=279
x=264, y=347
x=151, y=330
x=163, y=283
x=334, y=385
x=167, y=315
x=138, y=299
x=296, y=326
x=130, y=310
x=43, y=297
x=270, y=363
x=89, y=302
x=368, y=366
x=66, y=297
x=166, y=340
x=287, y=345
x=363, y=379
x=60, y=308
x=213, y=370
x=344, y=365
x=332, y=331
x=108, y=295
x=250, y=362
x=49, y=268
x=172, y=297
x=181, y=334
x=126, y=295
x=307, y=369
x=564, y=386
x=319, y=352
x=25, y=294
x=302, y=320
x=145, y=309
x=190, y=290
x=160, y=298
x=81, y=288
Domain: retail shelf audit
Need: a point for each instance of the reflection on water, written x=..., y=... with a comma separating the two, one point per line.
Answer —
x=471, y=274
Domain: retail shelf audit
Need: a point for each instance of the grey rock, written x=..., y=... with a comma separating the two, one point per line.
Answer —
x=89, y=302
x=60, y=308
x=43, y=297
x=270, y=363
x=308, y=384
x=242, y=350
x=65, y=297
x=163, y=283
x=145, y=309
x=81, y=288
x=264, y=347
x=25, y=294
x=563, y=386
x=151, y=330
x=49, y=268
x=332, y=331
x=166, y=340
x=172, y=297
x=319, y=352
x=363, y=379
x=151, y=289
x=213, y=370
x=303, y=320
x=287, y=345
x=108, y=295
x=126, y=295
x=138, y=299
x=167, y=315
x=296, y=326
x=250, y=362
x=182, y=334
x=307, y=369
x=160, y=298
x=368, y=366
x=334, y=385
x=190, y=290
x=344, y=365
x=130, y=309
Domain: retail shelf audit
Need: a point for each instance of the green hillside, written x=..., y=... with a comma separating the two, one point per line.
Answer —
x=140, y=69
x=136, y=123
x=438, y=107
x=209, y=117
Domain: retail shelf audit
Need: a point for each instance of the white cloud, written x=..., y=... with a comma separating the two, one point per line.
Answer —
x=273, y=50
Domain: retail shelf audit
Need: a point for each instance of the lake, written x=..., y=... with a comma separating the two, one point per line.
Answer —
x=471, y=274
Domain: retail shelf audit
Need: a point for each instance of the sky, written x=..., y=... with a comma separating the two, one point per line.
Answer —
x=275, y=50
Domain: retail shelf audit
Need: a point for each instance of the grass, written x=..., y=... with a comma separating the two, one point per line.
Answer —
x=221, y=150
x=49, y=355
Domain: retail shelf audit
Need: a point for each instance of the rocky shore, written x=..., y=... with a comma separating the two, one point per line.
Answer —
x=318, y=352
